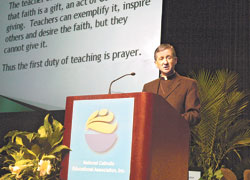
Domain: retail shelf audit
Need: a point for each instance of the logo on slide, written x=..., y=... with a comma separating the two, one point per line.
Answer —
x=100, y=135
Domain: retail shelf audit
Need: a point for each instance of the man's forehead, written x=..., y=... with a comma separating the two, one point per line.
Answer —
x=165, y=52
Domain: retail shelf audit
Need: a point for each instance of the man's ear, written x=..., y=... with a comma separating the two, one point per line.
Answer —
x=176, y=60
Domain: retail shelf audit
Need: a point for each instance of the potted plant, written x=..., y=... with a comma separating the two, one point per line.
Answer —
x=223, y=128
x=34, y=155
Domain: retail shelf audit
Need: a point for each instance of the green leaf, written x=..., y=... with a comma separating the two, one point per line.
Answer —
x=48, y=157
x=17, y=155
x=6, y=147
x=245, y=141
x=42, y=132
x=19, y=141
x=47, y=125
x=210, y=172
x=59, y=149
x=57, y=126
x=7, y=176
x=55, y=142
x=57, y=134
x=30, y=136
x=10, y=134
x=218, y=174
x=31, y=153
x=23, y=162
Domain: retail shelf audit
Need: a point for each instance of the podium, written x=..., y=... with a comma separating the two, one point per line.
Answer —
x=159, y=138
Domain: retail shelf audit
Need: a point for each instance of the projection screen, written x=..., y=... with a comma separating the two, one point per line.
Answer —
x=52, y=49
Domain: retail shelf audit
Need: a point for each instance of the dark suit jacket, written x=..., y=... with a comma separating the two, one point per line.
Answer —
x=181, y=92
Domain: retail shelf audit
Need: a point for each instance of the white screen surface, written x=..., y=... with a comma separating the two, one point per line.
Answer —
x=52, y=49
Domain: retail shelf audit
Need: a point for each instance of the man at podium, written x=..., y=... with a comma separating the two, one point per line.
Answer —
x=179, y=91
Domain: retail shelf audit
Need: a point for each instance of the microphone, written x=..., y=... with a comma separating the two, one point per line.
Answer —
x=131, y=74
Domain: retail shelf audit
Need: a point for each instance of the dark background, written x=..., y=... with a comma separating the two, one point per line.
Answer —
x=209, y=34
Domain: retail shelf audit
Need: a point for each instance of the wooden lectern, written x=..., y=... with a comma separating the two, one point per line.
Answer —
x=160, y=138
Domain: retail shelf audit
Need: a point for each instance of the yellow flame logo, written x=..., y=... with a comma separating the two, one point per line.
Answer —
x=101, y=121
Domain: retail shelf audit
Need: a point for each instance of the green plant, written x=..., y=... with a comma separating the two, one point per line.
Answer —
x=223, y=127
x=34, y=155
x=211, y=175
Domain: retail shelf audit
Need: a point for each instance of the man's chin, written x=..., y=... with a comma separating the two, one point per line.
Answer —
x=168, y=72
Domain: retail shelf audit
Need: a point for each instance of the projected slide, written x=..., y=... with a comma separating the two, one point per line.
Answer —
x=50, y=49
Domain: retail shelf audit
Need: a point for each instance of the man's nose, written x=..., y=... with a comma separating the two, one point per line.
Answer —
x=165, y=61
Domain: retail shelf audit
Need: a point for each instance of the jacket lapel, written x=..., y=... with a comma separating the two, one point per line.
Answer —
x=171, y=89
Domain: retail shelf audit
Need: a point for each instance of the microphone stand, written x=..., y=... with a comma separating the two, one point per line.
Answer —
x=132, y=74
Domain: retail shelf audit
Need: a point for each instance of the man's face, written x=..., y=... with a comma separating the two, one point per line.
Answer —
x=165, y=62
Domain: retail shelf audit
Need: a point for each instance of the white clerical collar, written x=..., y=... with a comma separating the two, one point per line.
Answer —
x=169, y=76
